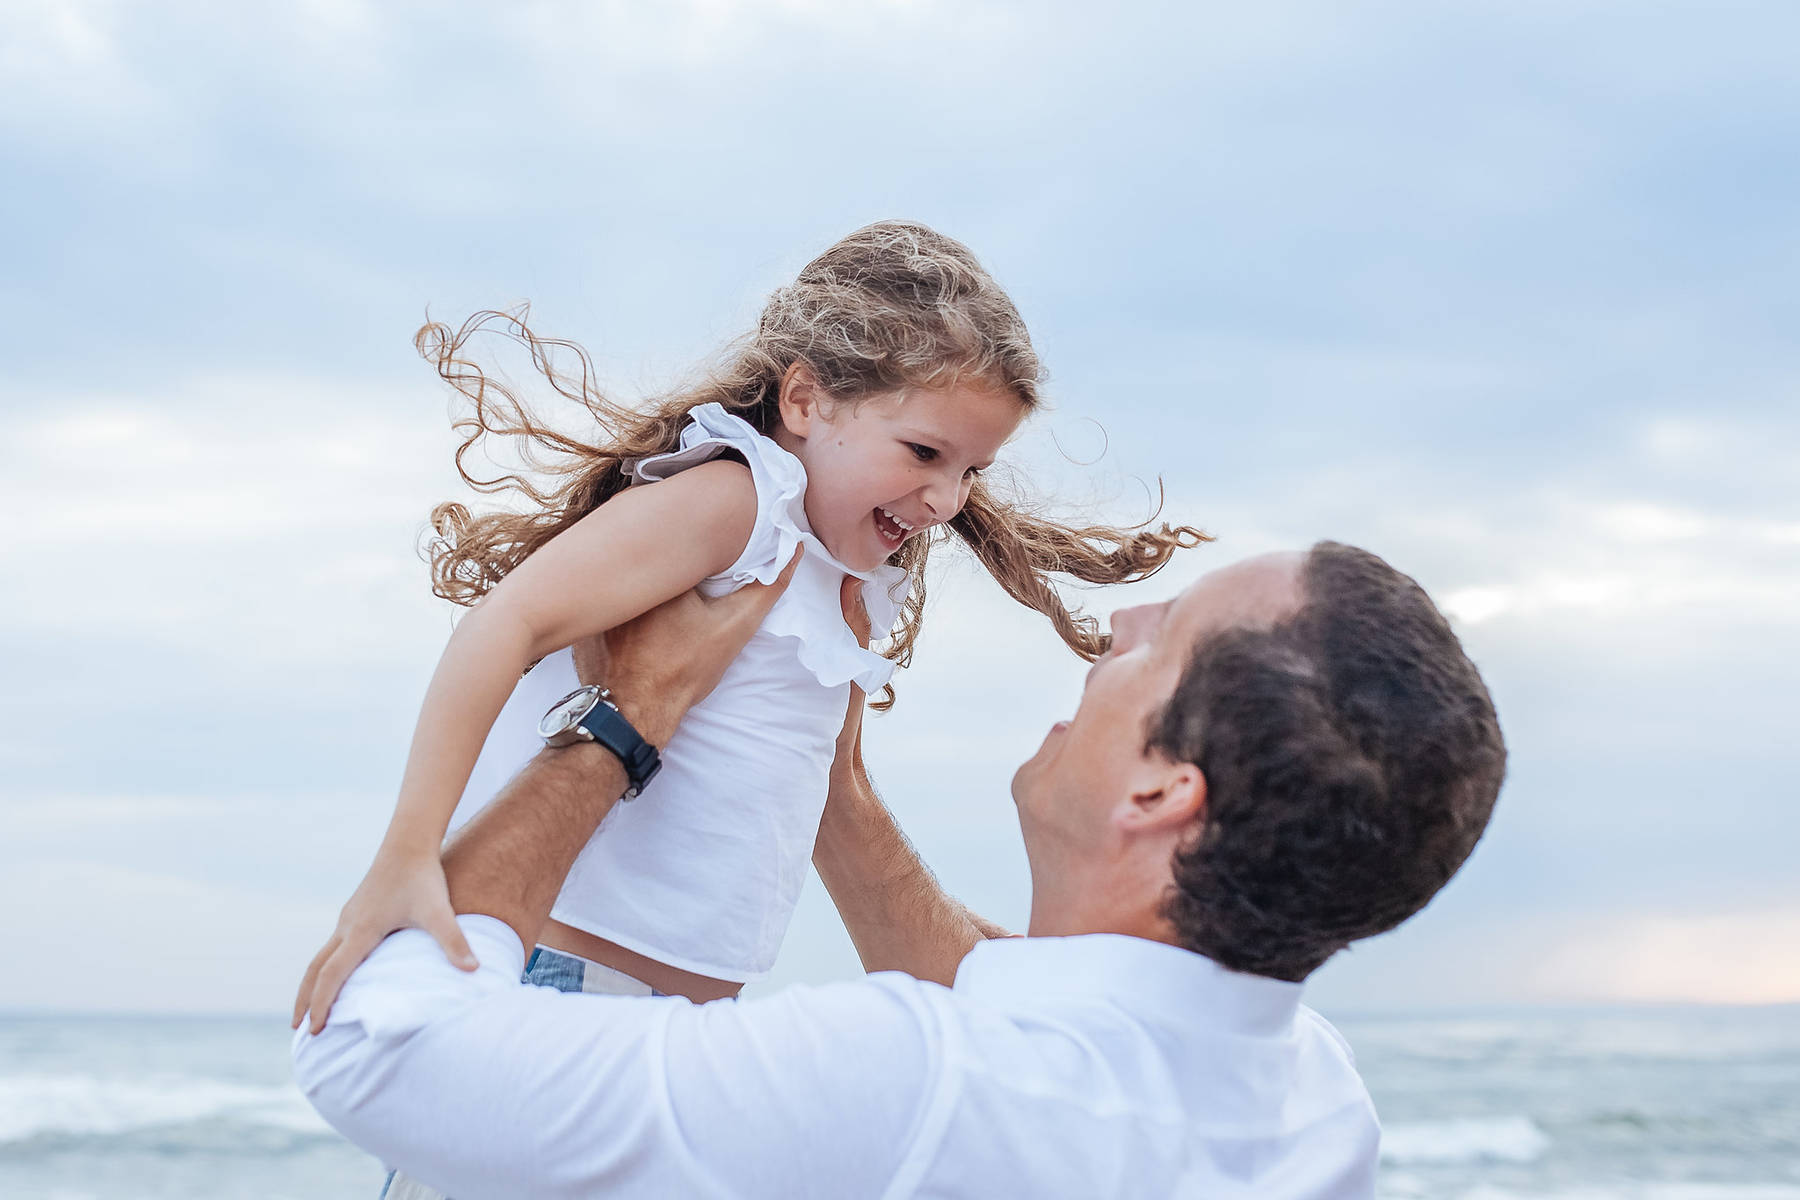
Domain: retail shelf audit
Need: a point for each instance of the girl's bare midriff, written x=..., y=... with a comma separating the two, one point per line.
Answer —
x=672, y=981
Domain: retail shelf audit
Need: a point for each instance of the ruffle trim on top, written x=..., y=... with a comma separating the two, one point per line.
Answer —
x=808, y=614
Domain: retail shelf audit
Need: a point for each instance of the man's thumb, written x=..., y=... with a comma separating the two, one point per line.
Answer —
x=756, y=600
x=856, y=613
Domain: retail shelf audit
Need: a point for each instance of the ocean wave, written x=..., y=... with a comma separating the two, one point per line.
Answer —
x=1407, y=1189
x=1468, y=1140
x=34, y=1106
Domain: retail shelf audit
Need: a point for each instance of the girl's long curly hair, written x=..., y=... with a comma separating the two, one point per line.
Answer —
x=894, y=305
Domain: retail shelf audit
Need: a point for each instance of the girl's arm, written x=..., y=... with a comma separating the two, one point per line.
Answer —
x=642, y=547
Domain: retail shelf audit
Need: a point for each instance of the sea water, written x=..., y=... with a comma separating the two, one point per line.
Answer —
x=200, y=1108
x=1597, y=1104
x=1622, y=1104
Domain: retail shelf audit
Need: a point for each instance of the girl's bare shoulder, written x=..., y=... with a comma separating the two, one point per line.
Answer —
x=721, y=486
x=714, y=501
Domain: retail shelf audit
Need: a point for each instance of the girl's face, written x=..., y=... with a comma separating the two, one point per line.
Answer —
x=892, y=466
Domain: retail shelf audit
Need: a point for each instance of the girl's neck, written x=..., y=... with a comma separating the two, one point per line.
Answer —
x=787, y=440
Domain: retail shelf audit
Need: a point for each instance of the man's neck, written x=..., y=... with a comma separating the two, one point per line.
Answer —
x=1049, y=919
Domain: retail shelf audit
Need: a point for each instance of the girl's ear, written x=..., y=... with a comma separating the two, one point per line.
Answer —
x=801, y=400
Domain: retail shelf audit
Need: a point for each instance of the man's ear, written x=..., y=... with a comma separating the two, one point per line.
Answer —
x=1167, y=797
x=802, y=401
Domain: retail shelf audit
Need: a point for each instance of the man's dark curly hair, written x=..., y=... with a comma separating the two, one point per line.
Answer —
x=1352, y=759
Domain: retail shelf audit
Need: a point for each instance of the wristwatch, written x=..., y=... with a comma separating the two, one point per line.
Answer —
x=588, y=714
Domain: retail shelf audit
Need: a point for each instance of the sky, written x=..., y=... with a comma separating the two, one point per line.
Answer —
x=1501, y=291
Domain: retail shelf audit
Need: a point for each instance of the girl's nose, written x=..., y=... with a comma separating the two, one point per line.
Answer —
x=943, y=497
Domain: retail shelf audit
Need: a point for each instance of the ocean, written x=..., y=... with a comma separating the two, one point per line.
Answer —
x=1591, y=1104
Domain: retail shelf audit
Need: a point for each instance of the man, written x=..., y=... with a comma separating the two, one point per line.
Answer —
x=1292, y=754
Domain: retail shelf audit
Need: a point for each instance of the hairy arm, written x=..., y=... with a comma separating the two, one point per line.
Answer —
x=898, y=915
x=641, y=548
x=509, y=861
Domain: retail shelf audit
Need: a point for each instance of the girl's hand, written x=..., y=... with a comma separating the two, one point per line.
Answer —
x=403, y=890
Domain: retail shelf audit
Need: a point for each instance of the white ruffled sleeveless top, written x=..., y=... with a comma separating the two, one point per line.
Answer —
x=703, y=870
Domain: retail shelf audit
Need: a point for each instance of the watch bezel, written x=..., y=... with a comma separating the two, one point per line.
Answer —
x=570, y=729
x=640, y=758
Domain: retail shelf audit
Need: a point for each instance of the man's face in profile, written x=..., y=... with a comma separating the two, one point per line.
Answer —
x=1085, y=765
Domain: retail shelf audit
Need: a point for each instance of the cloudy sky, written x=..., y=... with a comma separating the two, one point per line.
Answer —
x=1502, y=291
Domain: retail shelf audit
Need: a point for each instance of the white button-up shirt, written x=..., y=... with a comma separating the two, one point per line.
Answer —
x=1081, y=1067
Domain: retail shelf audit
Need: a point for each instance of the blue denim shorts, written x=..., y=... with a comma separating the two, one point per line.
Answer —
x=545, y=968
x=566, y=973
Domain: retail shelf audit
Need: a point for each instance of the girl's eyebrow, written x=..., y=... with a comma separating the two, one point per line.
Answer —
x=938, y=442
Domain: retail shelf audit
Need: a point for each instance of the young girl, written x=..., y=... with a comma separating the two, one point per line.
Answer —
x=855, y=421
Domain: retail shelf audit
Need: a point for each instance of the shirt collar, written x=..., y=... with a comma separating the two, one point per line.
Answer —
x=1149, y=979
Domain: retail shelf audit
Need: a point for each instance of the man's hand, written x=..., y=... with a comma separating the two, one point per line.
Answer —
x=663, y=663
x=856, y=616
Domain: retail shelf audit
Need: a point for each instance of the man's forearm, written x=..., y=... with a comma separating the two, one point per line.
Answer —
x=898, y=915
x=509, y=862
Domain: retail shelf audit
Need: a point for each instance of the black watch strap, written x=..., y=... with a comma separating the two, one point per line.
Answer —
x=608, y=726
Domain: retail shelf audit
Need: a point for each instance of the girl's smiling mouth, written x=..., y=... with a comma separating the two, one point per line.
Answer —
x=892, y=529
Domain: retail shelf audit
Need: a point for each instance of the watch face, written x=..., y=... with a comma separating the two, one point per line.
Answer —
x=566, y=713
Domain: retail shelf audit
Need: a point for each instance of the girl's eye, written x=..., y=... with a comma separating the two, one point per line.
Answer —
x=922, y=453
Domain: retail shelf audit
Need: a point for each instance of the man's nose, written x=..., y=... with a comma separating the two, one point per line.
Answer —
x=1128, y=627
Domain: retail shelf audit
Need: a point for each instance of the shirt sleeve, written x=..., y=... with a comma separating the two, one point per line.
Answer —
x=483, y=1086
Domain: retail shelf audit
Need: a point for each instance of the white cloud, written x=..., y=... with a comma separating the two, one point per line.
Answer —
x=1638, y=522
x=1469, y=335
x=271, y=515
x=39, y=813
x=147, y=942
x=1742, y=957
x=52, y=46
x=1454, y=955
x=1473, y=605
x=1719, y=445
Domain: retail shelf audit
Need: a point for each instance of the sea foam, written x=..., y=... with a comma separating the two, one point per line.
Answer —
x=88, y=1106
x=1467, y=1140
x=1633, y=1190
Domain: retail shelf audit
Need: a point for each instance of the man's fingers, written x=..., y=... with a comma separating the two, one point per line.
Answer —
x=590, y=655
x=749, y=605
x=449, y=935
x=307, y=980
x=787, y=574
x=856, y=613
